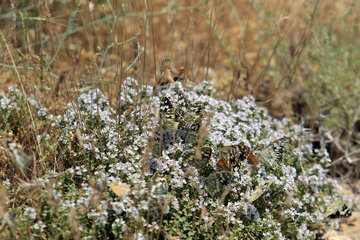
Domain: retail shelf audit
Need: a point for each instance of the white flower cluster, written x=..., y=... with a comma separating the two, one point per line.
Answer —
x=118, y=147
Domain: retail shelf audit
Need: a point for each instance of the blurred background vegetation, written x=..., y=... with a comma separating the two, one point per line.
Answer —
x=300, y=59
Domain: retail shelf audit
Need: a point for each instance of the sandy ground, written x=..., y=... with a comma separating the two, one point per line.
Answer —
x=350, y=227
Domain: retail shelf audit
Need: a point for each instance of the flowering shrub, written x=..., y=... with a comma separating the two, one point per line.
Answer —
x=99, y=147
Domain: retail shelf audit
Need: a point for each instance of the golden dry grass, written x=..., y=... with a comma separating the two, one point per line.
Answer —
x=234, y=43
